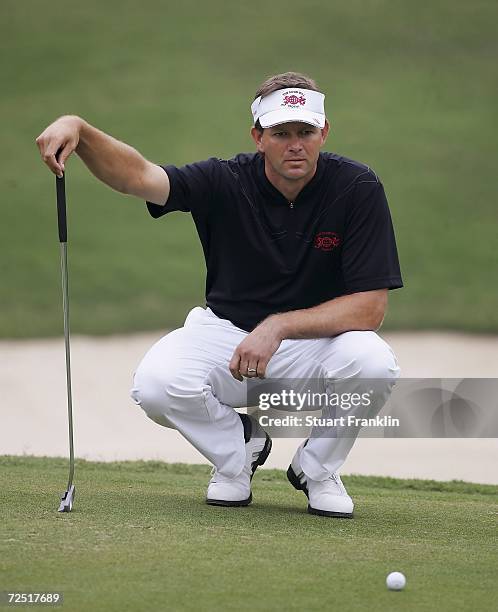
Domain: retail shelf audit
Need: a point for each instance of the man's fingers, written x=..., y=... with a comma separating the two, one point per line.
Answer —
x=233, y=366
x=51, y=160
x=252, y=369
x=261, y=369
x=58, y=141
x=243, y=367
x=240, y=367
x=57, y=160
x=48, y=152
x=251, y=358
x=65, y=153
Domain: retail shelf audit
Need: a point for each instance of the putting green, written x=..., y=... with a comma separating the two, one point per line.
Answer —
x=141, y=538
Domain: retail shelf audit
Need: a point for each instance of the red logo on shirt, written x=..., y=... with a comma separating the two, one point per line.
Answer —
x=326, y=241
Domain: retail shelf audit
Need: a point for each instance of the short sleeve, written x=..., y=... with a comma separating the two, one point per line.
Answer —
x=369, y=257
x=191, y=188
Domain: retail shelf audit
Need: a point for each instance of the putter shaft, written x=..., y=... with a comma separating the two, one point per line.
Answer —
x=65, y=307
x=67, y=498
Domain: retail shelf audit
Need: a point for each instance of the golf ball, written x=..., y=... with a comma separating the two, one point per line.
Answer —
x=395, y=581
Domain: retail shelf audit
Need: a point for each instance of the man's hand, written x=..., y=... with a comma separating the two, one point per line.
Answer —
x=356, y=311
x=64, y=134
x=252, y=355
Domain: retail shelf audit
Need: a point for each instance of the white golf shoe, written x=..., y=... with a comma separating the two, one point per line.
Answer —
x=325, y=497
x=223, y=491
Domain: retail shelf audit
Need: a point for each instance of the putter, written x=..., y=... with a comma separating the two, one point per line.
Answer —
x=67, y=498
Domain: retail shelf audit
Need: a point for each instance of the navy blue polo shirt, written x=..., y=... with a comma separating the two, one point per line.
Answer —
x=266, y=255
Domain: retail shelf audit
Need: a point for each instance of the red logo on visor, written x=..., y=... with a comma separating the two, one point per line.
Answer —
x=293, y=100
x=326, y=241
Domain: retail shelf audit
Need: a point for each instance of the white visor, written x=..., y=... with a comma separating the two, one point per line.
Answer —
x=285, y=105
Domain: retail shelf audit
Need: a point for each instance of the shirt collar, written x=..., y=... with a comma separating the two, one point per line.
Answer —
x=270, y=191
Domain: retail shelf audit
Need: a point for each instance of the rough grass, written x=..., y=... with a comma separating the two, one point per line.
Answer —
x=141, y=538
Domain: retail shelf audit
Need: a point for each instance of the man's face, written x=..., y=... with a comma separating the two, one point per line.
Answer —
x=291, y=149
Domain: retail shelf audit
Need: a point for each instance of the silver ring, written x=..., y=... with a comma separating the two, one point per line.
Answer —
x=251, y=370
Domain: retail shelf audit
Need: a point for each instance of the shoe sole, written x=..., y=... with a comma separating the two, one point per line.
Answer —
x=297, y=484
x=261, y=460
x=345, y=515
x=231, y=504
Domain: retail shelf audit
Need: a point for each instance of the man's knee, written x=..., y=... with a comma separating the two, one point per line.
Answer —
x=161, y=395
x=148, y=393
x=366, y=355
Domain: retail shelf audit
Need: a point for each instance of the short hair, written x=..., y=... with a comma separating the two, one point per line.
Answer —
x=284, y=81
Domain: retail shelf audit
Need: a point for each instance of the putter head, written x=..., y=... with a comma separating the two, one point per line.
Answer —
x=67, y=499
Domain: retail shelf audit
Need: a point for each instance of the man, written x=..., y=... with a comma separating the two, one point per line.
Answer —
x=300, y=255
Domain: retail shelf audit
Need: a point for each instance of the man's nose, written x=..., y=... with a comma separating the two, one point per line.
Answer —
x=295, y=144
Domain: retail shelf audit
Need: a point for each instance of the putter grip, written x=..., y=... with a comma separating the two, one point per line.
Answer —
x=61, y=207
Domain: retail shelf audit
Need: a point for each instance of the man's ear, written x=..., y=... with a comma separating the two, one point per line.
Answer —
x=257, y=136
x=325, y=131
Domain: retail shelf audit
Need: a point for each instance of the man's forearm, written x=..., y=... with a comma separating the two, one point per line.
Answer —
x=113, y=162
x=358, y=311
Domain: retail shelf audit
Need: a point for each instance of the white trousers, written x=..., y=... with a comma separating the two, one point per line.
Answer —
x=184, y=382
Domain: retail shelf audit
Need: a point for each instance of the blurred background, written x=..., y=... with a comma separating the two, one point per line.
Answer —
x=411, y=91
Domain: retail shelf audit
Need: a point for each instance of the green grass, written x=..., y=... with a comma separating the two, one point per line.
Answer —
x=411, y=90
x=141, y=538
